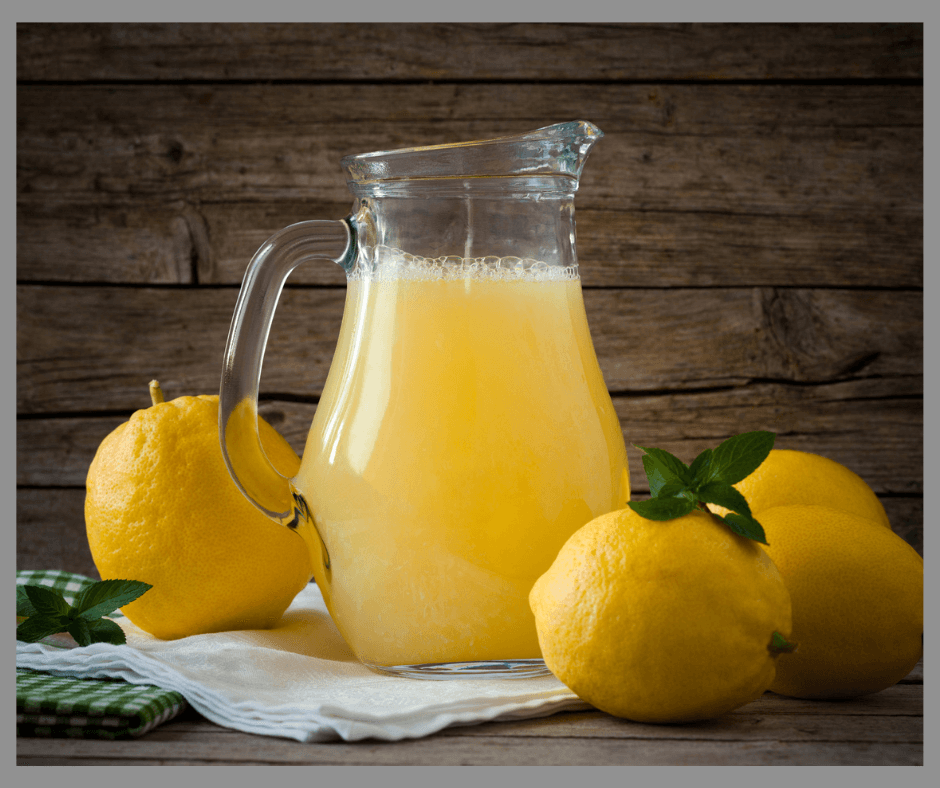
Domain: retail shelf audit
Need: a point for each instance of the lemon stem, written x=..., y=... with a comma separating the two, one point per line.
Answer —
x=780, y=645
x=156, y=393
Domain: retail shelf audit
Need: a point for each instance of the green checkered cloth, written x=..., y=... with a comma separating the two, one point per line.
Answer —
x=66, y=706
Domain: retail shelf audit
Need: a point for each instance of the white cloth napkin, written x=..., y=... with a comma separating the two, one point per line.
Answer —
x=299, y=681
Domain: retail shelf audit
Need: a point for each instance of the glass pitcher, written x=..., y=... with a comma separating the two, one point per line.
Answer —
x=465, y=430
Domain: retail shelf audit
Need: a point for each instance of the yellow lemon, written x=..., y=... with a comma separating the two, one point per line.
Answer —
x=661, y=621
x=789, y=477
x=857, y=592
x=161, y=507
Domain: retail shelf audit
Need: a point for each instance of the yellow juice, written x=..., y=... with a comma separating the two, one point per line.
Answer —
x=464, y=433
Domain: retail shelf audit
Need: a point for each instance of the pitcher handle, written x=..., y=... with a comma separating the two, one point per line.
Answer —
x=252, y=471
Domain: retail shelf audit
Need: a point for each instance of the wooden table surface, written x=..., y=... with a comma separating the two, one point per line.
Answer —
x=750, y=238
x=884, y=729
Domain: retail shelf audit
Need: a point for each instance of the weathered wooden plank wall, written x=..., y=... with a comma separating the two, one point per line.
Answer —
x=750, y=229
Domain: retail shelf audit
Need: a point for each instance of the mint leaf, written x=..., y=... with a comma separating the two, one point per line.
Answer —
x=48, y=613
x=738, y=457
x=725, y=495
x=654, y=474
x=662, y=508
x=106, y=596
x=670, y=465
x=79, y=630
x=45, y=601
x=674, y=489
x=40, y=626
x=678, y=489
x=744, y=526
x=104, y=630
x=23, y=606
x=701, y=466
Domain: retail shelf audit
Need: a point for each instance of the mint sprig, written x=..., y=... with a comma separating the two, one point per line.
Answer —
x=677, y=489
x=48, y=613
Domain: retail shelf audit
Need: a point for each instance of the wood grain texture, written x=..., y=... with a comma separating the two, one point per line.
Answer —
x=50, y=531
x=734, y=184
x=502, y=753
x=151, y=242
x=882, y=729
x=661, y=146
x=688, y=184
x=703, y=338
x=829, y=420
x=529, y=52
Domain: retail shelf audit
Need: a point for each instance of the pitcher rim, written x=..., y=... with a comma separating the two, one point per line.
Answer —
x=559, y=149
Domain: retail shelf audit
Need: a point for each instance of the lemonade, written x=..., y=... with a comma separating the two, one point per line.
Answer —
x=464, y=433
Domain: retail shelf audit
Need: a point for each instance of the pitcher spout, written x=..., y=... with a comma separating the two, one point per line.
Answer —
x=565, y=145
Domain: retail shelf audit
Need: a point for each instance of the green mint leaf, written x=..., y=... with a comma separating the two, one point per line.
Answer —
x=738, y=457
x=78, y=629
x=40, y=626
x=654, y=474
x=106, y=596
x=45, y=601
x=744, y=526
x=662, y=508
x=670, y=465
x=23, y=606
x=724, y=495
x=678, y=489
x=48, y=613
x=104, y=630
x=674, y=489
x=700, y=467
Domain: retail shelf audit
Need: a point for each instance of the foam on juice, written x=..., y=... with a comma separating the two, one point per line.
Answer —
x=385, y=264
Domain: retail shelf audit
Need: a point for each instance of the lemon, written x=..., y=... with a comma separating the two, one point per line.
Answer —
x=161, y=507
x=789, y=477
x=857, y=594
x=661, y=621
